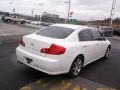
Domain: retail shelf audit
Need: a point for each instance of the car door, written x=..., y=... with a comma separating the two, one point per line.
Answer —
x=100, y=46
x=88, y=45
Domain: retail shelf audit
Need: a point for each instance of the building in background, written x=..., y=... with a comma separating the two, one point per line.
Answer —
x=54, y=15
x=53, y=18
x=37, y=17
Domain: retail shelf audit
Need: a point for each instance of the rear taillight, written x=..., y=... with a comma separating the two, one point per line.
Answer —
x=21, y=42
x=54, y=49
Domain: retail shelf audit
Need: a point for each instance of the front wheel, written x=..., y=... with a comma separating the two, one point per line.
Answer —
x=8, y=21
x=107, y=53
x=76, y=67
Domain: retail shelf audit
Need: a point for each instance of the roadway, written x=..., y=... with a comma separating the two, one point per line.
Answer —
x=100, y=74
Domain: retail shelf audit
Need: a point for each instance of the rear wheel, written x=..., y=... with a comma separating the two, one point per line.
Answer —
x=23, y=22
x=107, y=53
x=8, y=20
x=76, y=67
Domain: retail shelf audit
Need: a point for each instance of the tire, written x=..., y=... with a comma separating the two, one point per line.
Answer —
x=8, y=21
x=23, y=22
x=107, y=53
x=76, y=67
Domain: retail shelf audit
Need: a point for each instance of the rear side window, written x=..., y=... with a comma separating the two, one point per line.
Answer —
x=55, y=32
x=96, y=35
x=85, y=35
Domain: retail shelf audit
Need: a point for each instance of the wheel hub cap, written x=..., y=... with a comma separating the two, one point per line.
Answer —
x=77, y=67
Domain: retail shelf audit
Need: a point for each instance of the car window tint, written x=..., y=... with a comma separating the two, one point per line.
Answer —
x=55, y=32
x=85, y=35
x=95, y=35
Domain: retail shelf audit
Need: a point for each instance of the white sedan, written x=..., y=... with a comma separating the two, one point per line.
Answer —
x=62, y=48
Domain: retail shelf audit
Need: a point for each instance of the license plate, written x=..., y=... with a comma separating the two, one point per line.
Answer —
x=29, y=60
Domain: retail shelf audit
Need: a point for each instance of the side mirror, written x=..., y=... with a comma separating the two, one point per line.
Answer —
x=103, y=36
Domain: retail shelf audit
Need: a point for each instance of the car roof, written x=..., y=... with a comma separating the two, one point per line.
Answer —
x=71, y=26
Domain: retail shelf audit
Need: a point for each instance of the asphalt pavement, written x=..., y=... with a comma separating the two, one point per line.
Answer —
x=18, y=29
x=100, y=74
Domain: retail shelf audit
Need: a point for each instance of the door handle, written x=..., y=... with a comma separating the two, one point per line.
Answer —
x=85, y=46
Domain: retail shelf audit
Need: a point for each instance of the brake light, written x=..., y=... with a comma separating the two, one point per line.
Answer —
x=21, y=42
x=54, y=49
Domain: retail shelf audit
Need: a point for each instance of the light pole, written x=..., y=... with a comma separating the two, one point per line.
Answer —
x=41, y=4
x=13, y=11
x=10, y=3
x=68, y=13
x=66, y=2
x=32, y=12
x=112, y=13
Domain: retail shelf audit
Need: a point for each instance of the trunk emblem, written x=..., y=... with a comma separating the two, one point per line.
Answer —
x=32, y=44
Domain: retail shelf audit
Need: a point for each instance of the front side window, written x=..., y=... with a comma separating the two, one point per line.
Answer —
x=85, y=35
x=55, y=32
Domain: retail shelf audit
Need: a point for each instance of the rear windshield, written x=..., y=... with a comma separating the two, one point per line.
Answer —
x=55, y=32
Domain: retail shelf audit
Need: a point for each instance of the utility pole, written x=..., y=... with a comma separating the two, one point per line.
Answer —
x=14, y=13
x=112, y=13
x=41, y=4
x=10, y=4
x=68, y=13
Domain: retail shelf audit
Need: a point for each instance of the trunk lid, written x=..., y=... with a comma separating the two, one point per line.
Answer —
x=34, y=43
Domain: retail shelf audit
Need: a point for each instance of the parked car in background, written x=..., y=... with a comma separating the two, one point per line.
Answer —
x=46, y=23
x=0, y=17
x=117, y=32
x=106, y=31
x=14, y=20
x=35, y=22
x=28, y=21
x=62, y=48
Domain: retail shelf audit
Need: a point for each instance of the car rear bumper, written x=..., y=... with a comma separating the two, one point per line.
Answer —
x=44, y=64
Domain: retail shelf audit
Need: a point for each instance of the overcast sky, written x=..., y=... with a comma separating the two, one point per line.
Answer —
x=82, y=9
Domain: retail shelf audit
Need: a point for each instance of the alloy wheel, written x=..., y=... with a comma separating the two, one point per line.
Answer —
x=77, y=65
